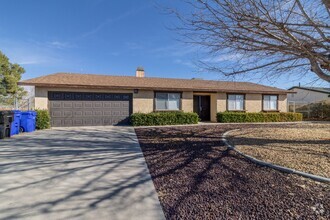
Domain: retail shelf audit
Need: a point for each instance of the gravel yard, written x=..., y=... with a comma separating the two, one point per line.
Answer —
x=196, y=177
x=305, y=147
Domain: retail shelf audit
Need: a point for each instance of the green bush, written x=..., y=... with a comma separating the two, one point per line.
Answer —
x=164, y=118
x=315, y=111
x=239, y=117
x=43, y=119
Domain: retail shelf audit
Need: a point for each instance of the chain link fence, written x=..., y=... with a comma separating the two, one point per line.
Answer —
x=311, y=110
x=12, y=103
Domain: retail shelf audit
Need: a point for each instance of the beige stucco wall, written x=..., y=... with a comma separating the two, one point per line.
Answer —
x=214, y=105
x=282, y=103
x=307, y=96
x=143, y=101
x=253, y=102
x=221, y=102
x=187, y=102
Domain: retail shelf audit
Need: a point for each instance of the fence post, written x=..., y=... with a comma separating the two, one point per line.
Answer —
x=15, y=103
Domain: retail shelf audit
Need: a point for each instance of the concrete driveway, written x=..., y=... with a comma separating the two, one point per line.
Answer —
x=76, y=173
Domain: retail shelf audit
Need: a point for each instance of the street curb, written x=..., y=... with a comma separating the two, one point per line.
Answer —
x=218, y=123
x=276, y=167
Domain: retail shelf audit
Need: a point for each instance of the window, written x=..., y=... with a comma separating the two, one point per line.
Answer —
x=235, y=102
x=270, y=102
x=167, y=101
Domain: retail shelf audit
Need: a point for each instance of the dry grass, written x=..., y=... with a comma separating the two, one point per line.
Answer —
x=304, y=147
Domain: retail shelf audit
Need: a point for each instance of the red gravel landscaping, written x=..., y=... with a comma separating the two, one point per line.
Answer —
x=196, y=177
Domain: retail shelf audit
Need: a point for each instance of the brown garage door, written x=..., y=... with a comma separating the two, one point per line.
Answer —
x=89, y=109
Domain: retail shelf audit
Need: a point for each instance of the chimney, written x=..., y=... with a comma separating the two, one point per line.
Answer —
x=139, y=72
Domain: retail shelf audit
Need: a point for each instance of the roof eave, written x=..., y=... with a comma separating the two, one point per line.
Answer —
x=154, y=88
x=314, y=90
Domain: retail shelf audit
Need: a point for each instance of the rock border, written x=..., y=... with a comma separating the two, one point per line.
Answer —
x=273, y=166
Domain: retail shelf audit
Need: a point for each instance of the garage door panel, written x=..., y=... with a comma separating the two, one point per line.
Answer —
x=124, y=104
x=54, y=105
x=97, y=113
x=67, y=104
x=98, y=105
x=89, y=109
x=78, y=122
x=88, y=113
x=56, y=122
x=88, y=122
x=68, y=114
x=124, y=113
x=107, y=104
x=78, y=105
x=88, y=104
x=98, y=121
x=68, y=122
x=56, y=114
x=106, y=113
x=78, y=113
x=116, y=105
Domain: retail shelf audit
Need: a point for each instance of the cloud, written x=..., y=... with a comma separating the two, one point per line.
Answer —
x=22, y=61
x=184, y=63
x=175, y=50
x=29, y=53
x=223, y=58
x=112, y=20
x=59, y=45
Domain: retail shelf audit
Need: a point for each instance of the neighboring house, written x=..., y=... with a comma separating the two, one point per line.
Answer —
x=85, y=99
x=309, y=94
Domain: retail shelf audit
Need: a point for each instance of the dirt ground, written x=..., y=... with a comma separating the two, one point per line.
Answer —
x=305, y=147
x=196, y=177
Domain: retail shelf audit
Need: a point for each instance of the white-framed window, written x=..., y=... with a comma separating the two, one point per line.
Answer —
x=270, y=102
x=167, y=101
x=235, y=102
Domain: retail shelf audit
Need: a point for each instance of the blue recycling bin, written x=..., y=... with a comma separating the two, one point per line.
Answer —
x=28, y=121
x=15, y=125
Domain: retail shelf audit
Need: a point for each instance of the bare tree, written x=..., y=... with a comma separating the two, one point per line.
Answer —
x=266, y=36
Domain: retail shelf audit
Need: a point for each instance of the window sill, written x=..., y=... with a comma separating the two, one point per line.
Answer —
x=236, y=110
x=270, y=110
x=167, y=110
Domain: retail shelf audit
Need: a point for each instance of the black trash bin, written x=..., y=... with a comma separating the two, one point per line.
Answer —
x=6, y=118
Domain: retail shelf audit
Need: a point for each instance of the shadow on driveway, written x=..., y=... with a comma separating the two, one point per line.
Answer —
x=85, y=173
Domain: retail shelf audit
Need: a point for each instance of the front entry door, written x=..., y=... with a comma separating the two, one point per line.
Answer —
x=202, y=107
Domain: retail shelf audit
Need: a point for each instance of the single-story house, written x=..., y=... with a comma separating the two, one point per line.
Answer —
x=88, y=99
x=309, y=94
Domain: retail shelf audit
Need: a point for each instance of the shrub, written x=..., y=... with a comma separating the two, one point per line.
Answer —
x=315, y=111
x=43, y=119
x=164, y=118
x=239, y=117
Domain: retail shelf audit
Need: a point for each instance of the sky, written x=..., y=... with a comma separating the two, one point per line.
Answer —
x=106, y=37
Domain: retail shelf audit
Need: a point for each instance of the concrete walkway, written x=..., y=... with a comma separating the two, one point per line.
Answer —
x=76, y=173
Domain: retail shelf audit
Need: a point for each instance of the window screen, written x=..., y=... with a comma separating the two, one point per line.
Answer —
x=235, y=102
x=167, y=101
x=270, y=102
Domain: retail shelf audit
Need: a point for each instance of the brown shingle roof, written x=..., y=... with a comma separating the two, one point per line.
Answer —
x=131, y=82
